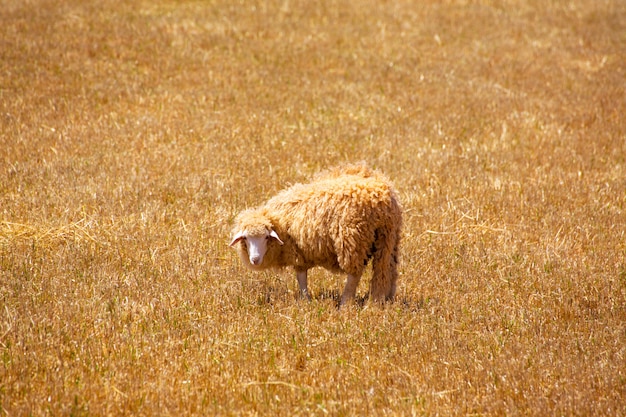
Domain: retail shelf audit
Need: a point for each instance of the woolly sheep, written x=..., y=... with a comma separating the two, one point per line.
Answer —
x=340, y=221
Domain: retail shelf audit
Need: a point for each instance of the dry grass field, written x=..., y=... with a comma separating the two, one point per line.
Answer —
x=132, y=133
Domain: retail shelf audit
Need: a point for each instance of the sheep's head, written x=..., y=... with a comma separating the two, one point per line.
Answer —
x=254, y=237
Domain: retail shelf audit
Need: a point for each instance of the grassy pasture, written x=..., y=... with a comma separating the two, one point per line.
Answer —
x=131, y=134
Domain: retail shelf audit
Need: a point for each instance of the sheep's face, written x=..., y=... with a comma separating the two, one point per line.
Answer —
x=255, y=244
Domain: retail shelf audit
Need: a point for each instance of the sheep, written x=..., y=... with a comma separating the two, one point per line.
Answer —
x=345, y=217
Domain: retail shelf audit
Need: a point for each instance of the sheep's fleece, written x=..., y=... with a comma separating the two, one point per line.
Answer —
x=345, y=217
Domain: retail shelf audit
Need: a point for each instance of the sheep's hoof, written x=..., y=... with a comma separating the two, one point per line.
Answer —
x=304, y=295
x=345, y=301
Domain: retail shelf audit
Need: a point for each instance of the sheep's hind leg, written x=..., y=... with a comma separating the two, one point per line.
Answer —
x=301, y=276
x=350, y=289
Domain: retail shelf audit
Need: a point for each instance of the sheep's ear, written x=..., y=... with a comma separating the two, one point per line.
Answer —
x=237, y=238
x=275, y=236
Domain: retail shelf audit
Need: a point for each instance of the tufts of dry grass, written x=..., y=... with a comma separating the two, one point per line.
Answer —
x=133, y=133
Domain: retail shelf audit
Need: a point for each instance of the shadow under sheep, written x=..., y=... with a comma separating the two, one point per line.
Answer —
x=273, y=293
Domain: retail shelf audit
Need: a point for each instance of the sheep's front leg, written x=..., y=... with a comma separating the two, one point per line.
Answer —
x=350, y=289
x=303, y=284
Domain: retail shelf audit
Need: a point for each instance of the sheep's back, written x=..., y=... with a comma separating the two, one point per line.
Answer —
x=328, y=215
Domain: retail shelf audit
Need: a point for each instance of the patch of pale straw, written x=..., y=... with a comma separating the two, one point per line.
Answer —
x=46, y=234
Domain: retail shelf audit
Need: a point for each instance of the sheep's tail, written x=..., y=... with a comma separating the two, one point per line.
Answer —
x=385, y=259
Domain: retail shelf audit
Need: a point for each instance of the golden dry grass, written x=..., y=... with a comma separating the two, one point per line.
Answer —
x=133, y=132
